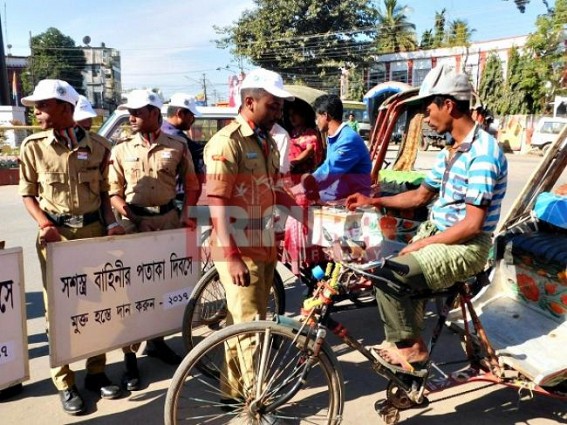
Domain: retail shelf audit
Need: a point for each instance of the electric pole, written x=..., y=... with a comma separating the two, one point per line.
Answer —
x=205, y=88
x=4, y=87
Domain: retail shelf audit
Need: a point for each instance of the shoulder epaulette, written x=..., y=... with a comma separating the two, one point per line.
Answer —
x=95, y=137
x=176, y=139
x=38, y=135
x=232, y=127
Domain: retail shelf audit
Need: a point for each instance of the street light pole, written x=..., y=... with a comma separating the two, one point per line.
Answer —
x=4, y=87
x=205, y=88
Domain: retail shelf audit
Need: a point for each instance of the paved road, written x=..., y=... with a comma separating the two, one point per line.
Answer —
x=469, y=404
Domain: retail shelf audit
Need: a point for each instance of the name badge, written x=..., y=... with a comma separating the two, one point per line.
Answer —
x=166, y=155
x=82, y=156
x=130, y=159
x=251, y=155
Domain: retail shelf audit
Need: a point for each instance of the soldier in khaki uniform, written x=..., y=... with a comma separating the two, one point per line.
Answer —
x=242, y=163
x=143, y=174
x=63, y=182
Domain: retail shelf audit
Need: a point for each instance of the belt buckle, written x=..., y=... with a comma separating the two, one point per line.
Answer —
x=75, y=221
x=153, y=210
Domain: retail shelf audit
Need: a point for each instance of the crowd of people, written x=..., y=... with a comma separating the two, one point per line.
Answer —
x=279, y=151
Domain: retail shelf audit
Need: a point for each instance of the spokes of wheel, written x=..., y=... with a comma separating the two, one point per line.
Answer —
x=257, y=373
x=206, y=311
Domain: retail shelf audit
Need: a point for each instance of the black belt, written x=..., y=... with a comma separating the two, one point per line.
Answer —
x=152, y=211
x=75, y=221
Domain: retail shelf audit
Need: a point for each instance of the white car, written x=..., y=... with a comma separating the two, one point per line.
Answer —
x=546, y=131
x=212, y=119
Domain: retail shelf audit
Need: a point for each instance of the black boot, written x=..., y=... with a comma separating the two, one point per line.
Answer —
x=99, y=383
x=131, y=376
x=72, y=401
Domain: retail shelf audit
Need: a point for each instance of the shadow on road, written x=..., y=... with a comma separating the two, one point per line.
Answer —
x=34, y=305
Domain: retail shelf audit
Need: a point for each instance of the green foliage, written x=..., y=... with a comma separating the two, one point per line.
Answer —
x=459, y=34
x=395, y=32
x=533, y=76
x=521, y=5
x=439, y=29
x=492, y=83
x=304, y=40
x=426, y=40
x=54, y=55
x=356, y=87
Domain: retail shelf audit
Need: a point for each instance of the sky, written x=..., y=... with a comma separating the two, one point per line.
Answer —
x=173, y=47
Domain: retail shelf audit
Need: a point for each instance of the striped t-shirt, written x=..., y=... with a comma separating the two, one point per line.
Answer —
x=476, y=175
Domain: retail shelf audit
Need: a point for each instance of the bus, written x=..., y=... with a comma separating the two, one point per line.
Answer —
x=360, y=114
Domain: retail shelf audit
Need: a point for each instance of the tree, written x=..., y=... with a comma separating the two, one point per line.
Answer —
x=426, y=40
x=356, y=88
x=395, y=32
x=459, y=33
x=304, y=40
x=54, y=55
x=491, y=84
x=521, y=5
x=547, y=52
x=439, y=29
x=512, y=99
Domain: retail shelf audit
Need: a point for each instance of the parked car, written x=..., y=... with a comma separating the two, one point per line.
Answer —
x=212, y=119
x=546, y=131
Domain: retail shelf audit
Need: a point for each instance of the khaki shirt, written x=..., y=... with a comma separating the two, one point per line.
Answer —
x=66, y=181
x=238, y=171
x=145, y=175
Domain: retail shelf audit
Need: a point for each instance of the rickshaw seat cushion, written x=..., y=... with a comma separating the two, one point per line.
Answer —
x=550, y=247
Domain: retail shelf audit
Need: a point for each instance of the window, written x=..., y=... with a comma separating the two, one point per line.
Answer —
x=376, y=75
x=419, y=75
x=401, y=76
x=120, y=131
x=552, y=127
x=204, y=128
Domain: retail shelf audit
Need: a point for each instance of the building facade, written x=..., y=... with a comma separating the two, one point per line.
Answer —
x=16, y=66
x=412, y=67
x=102, y=82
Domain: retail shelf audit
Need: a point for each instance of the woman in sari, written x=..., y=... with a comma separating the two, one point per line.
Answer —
x=305, y=155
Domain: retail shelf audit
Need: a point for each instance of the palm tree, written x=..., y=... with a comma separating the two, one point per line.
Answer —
x=395, y=32
x=459, y=33
x=439, y=29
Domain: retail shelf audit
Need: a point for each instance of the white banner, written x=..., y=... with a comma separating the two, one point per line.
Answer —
x=14, y=366
x=106, y=293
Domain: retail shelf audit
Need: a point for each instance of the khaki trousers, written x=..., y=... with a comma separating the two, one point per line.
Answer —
x=63, y=377
x=244, y=304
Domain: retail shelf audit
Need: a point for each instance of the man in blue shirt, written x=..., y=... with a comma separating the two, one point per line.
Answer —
x=346, y=169
x=181, y=113
x=469, y=179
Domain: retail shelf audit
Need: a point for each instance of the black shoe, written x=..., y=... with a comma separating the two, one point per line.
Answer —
x=158, y=348
x=131, y=377
x=99, y=383
x=72, y=401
